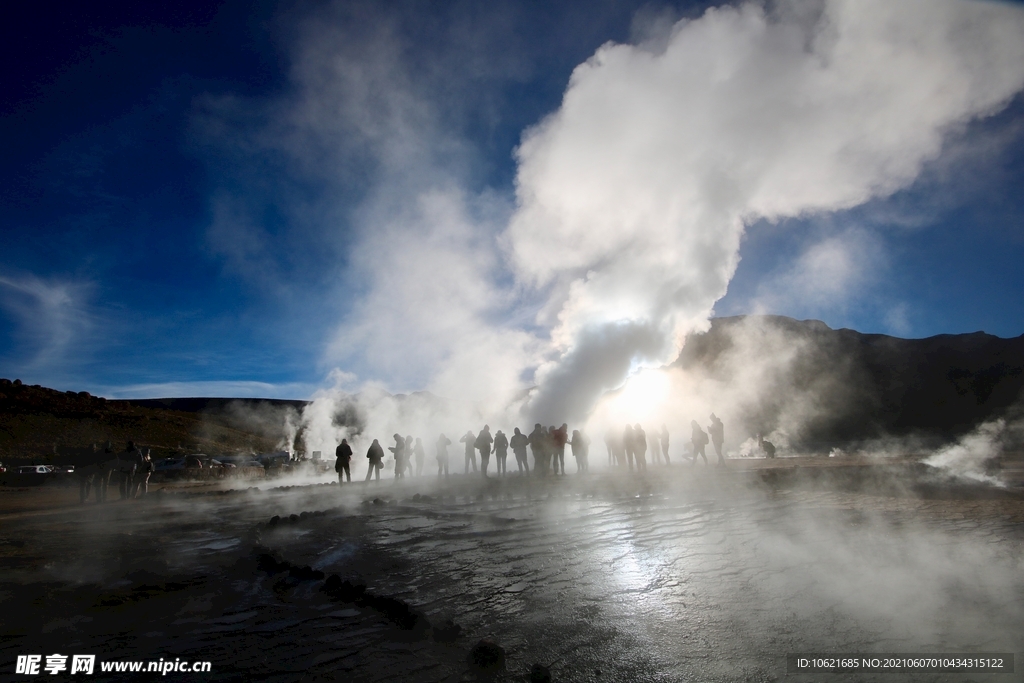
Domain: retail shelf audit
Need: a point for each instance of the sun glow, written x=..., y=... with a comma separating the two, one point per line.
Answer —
x=642, y=396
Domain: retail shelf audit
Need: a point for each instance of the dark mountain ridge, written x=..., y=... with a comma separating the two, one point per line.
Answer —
x=881, y=386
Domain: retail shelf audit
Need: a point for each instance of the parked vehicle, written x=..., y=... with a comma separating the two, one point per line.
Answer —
x=28, y=475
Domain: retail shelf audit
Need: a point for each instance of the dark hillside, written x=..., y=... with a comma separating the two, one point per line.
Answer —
x=44, y=425
x=940, y=386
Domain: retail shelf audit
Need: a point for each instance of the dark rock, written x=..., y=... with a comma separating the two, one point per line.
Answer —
x=447, y=633
x=541, y=674
x=487, y=657
x=274, y=521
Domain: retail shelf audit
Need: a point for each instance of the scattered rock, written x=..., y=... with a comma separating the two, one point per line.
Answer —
x=487, y=657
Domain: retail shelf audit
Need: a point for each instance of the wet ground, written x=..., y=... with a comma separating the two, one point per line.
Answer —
x=685, y=574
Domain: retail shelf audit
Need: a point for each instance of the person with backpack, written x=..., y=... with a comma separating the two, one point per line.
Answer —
x=518, y=443
x=483, y=444
x=375, y=454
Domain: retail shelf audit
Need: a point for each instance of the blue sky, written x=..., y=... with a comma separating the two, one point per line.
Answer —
x=173, y=223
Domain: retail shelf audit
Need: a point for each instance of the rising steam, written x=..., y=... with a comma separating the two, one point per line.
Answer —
x=632, y=198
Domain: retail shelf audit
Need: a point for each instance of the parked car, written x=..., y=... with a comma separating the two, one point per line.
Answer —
x=169, y=464
x=35, y=469
x=29, y=475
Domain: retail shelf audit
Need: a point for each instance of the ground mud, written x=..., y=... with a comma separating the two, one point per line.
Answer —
x=682, y=574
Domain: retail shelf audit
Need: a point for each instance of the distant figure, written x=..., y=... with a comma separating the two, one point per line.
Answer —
x=640, y=447
x=536, y=441
x=655, y=447
x=420, y=456
x=627, y=445
x=664, y=442
x=519, y=442
x=341, y=465
x=560, y=438
x=483, y=444
x=442, y=454
x=470, y=440
x=717, y=432
x=399, y=450
x=500, y=451
x=408, y=454
x=609, y=444
x=767, y=446
x=143, y=474
x=549, y=449
x=375, y=454
x=580, y=447
x=699, y=440
x=128, y=463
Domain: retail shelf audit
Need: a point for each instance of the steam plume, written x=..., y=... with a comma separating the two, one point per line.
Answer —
x=631, y=200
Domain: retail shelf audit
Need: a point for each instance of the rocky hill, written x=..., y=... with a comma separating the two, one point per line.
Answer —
x=44, y=425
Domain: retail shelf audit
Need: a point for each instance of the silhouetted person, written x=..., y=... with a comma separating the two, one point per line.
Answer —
x=518, y=443
x=142, y=475
x=579, y=450
x=500, y=451
x=640, y=447
x=341, y=465
x=375, y=454
x=699, y=440
x=399, y=450
x=767, y=446
x=655, y=448
x=409, y=448
x=483, y=444
x=549, y=449
x=470, y=440
x=560, y=437
x=442, y=454
x=536, y=440
x=717, y=432
x=664, y=442
x=127, y=465
x=420, y=456
x=586, y=450
x=627, y=445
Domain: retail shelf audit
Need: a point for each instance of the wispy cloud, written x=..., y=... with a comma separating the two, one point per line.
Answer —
x=52, y=320
x=214, y=389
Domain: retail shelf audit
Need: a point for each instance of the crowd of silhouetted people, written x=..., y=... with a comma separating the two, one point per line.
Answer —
x=628, y=448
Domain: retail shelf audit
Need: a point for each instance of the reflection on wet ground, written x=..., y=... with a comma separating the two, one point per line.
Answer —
x=683, y=575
